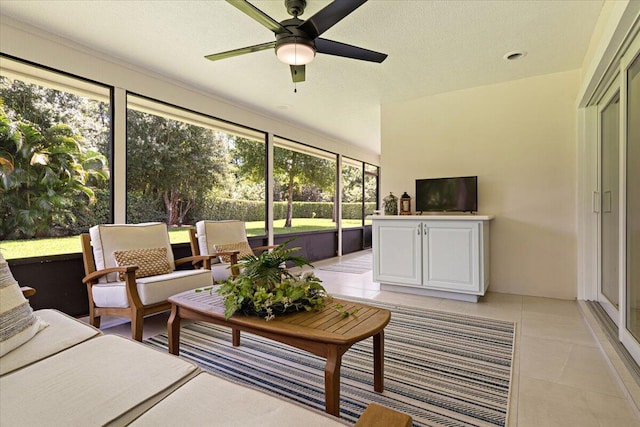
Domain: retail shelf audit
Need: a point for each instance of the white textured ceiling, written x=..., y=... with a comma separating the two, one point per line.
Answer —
x=433, y=47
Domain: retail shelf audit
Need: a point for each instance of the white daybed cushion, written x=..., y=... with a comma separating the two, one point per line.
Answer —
x=63, y=332
x=151, y=289
x=107, y=238
x=108, y=380
x=211, y=400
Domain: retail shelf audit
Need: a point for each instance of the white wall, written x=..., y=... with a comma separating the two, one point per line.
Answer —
x=519, y=138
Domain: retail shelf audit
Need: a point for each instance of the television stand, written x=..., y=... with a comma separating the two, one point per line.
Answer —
x=445, y=256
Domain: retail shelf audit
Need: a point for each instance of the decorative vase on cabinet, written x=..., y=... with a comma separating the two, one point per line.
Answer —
x=390, y=205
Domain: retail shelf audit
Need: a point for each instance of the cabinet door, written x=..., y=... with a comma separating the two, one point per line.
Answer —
x=397, y=252
x=451, y=256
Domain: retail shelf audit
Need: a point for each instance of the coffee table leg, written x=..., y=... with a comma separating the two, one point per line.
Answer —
x=332, y=381
x=235, y=337
x=378, y=362
x=173, y=330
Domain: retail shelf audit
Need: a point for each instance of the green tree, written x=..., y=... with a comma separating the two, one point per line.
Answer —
x=46, y=107
x=351, y=184
x=174, y=162
x=45, y=174
x=292, y=170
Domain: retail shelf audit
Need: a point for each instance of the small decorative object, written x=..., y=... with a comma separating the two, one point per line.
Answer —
x=405, y=204
x=266, y=288
x=390, y=205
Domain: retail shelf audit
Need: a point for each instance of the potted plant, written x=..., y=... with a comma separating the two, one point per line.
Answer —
x=266, y=288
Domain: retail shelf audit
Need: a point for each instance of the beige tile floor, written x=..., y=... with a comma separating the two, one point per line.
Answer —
x=561, y=374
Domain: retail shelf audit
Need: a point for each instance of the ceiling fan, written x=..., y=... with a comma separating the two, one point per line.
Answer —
x=297, y=41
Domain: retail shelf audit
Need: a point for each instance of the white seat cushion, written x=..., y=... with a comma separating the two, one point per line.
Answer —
x=108, y=380
x=221, y=271
x=211, y=400
x=108, y=238
x=63, y=332
x=151, y=289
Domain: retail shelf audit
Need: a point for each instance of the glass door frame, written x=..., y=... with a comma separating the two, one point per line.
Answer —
x=611, y=93
x=627, y=339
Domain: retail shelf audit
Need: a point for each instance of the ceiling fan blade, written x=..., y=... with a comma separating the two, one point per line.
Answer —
x=258, y=15
x=297, y=73
x=329, y=16
x=241, y=51
x=331, y=47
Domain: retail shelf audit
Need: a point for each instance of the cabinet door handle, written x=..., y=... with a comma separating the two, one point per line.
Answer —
x=425, y=231
x=418, y=229
x=596, y=202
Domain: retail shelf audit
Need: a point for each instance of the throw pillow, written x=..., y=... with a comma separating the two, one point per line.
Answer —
x=243, y=247
x=150, y=261
x=18, y=323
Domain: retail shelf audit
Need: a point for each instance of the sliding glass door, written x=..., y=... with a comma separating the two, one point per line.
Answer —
x=609, y=125
x=630, y=67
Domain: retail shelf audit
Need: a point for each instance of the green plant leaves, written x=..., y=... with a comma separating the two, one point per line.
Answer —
x=265, y=287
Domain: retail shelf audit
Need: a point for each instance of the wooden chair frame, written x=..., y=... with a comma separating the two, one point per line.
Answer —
x=136, y=310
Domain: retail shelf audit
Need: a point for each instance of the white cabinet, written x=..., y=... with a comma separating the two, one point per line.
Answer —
x=399, y=259
x=450, y=255
x=445, y=256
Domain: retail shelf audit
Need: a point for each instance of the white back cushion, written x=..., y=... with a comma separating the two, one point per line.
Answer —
x=211, y=233
x=108, y=238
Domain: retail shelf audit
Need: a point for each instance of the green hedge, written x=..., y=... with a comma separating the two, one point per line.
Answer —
x=247, y=210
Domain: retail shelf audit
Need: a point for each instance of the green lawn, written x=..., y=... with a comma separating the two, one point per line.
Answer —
x=63, y=245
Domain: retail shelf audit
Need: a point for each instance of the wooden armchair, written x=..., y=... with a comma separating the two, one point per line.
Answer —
x=227, y=240
x=130, y=272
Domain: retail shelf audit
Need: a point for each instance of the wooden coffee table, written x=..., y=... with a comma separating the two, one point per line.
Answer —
x=325, y=333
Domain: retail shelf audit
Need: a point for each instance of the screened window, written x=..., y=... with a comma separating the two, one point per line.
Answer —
x=184, y=167
x=304, y=188
x=352, y=193
x=54, y=159
x=370, y=190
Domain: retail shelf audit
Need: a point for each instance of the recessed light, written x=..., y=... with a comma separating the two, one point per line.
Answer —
x=512, y=56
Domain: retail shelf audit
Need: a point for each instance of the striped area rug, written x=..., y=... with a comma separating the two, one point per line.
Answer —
x=359, y=265
x=443, y=369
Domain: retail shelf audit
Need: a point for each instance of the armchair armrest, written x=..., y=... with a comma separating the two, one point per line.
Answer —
x=264, y=248
x=27, y=291
x=197, y=259
x=234, y=260
x=229, y=253
x=98, y=274
x=130, y=282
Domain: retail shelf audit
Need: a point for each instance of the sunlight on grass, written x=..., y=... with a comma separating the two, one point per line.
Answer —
x=12, y=249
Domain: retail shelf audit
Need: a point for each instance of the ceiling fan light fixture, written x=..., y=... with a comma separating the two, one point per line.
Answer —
x=295, y=53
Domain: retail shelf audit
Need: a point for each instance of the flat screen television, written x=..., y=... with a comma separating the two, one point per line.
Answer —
x=458, y=194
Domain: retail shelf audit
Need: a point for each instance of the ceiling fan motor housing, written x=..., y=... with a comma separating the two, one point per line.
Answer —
x=295, y=7
x=295, y=36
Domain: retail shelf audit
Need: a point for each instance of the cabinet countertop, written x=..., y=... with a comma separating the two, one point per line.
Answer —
x=433, y=217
